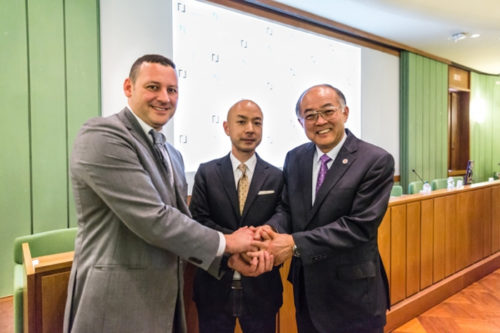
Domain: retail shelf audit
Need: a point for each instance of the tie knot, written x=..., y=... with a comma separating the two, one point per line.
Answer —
x=325, y=159
x=158, y=138
x=243, y=168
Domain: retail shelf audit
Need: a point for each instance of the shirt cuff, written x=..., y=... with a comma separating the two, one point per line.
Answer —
x=222, y=244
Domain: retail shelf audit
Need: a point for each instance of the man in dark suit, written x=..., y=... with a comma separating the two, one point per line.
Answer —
x=218, y=201
x=134, y=226
x=336, y=193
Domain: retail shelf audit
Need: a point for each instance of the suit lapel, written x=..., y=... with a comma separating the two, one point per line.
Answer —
x=178, y=170
x=304, y=179
x=135, y=129
x=306, y=162
x=138, y=133
x=226, y=175
x=343, y=161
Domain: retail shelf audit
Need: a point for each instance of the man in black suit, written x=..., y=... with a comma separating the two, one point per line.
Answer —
x=335, y=195
x=237, y=190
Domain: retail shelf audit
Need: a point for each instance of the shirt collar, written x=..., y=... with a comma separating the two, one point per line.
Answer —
x=250, y=163
x=145, y=127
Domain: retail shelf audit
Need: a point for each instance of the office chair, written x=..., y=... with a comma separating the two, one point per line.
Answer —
x=415, y=187
x=440, y=183
x=397, y=191
x=43, y=243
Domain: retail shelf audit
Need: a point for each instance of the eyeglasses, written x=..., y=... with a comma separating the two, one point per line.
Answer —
x=327, y=114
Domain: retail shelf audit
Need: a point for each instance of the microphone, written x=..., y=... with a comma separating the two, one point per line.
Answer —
x=413, y=170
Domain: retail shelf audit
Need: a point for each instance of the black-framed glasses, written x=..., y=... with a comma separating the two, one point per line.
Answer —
x=326, y=113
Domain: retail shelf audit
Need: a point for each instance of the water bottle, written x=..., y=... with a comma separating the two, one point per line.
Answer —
x=451, y=183
x=426, y=189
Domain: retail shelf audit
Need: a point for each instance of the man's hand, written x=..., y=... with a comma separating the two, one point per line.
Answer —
x=262, y=232
x=242, y=240
x=279, y=245
x=260, y=262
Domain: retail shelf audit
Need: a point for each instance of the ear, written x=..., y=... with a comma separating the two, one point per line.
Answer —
x=345, y=113
x=127, y=87
x=300, y=122
x=226, y=127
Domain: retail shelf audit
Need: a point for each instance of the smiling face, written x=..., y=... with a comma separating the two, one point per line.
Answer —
x=244, y=127
x=153, y=94
x=325, y=133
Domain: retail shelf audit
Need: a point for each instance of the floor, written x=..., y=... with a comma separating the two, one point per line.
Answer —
x=476, y=309
x=6, y=315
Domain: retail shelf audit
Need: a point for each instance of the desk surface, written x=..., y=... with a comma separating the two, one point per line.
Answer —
x=406, y=198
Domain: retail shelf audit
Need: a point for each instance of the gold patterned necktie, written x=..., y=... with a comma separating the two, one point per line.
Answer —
x=242, y=186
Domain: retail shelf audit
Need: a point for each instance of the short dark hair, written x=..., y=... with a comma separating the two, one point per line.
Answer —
x=339, y=93
x=152, y=58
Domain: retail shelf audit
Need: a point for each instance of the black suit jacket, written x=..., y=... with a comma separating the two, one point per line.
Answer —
x=340, y=270
x=214, y=203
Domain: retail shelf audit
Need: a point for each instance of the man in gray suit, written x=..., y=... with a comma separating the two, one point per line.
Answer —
x=134, y=226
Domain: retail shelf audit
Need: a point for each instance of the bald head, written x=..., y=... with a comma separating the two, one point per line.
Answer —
x=244, y=104
x=244, y=127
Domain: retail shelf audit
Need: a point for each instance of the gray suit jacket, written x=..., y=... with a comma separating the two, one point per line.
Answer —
x=133, y=229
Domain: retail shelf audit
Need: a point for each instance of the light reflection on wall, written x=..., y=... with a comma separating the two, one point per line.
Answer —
x=478, y=109
x=223, y=56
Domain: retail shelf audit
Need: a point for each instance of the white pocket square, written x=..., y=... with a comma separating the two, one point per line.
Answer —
x=265, y=192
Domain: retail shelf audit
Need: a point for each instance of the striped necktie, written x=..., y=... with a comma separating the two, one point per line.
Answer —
x=161, y=149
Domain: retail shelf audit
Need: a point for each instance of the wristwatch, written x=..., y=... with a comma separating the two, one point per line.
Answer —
x=295, y=251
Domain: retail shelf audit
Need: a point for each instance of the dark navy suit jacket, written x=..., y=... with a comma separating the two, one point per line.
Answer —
x=340, y=269
x=214, y=203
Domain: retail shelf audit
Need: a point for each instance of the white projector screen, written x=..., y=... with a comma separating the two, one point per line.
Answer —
x=223, y=56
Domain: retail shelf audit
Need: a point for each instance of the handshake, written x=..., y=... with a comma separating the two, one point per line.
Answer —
x=254, y=250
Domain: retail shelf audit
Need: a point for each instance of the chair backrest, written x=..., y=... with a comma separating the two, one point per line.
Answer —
x=44, y=243
x=397, y=190
x=415, y=187
x=440, y=183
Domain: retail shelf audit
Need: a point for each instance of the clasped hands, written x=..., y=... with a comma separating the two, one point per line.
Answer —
x=254, y=250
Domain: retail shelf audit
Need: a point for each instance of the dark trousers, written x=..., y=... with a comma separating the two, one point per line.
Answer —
x=210, y=321
x=303, y=318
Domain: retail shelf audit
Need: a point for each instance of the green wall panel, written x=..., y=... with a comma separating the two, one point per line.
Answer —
x=83, y=74
x=49, y=85
x=14, y=136
x=48, y=114
x=485, y=125
x=424, y=120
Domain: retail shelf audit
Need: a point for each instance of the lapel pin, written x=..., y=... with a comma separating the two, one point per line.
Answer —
x=345, y=160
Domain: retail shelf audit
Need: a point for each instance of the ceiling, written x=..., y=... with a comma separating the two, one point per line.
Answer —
x=425, y=25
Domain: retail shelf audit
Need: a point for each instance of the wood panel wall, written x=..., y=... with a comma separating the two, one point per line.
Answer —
x=427, y=241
